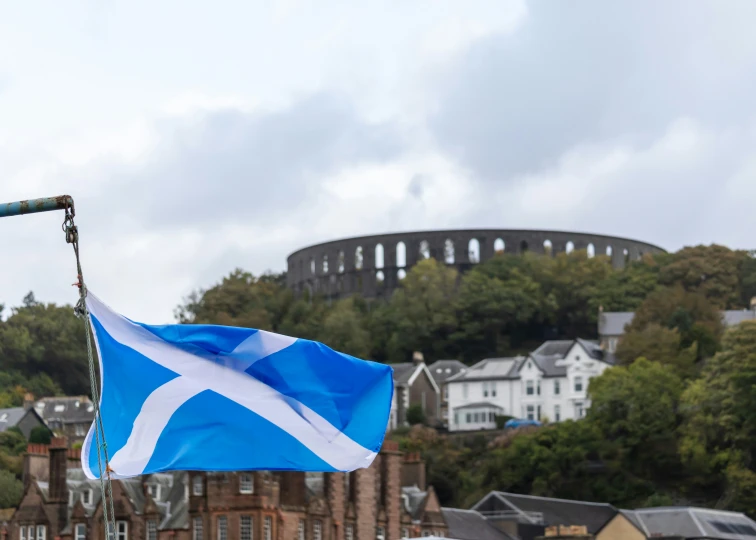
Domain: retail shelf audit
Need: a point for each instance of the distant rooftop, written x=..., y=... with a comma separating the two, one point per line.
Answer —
x=612, y=323
x=444, y=369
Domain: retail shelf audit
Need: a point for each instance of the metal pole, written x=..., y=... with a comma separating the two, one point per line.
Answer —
x=33, y=206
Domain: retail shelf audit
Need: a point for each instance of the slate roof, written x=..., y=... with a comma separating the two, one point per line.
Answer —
x=735, y=317
x=548, y=365
x=612, y=323
x=470, y=525
x=65, y=410
x=490, y=368
x=10, y=417
x=554, y=348
x=693, y=523
x=403, y=372
x=413, y=498
x=443, y=369
x=554, y=511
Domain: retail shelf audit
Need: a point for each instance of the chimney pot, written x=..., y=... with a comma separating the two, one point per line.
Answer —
x=417, y=357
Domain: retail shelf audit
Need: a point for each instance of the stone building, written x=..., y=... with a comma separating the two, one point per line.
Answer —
x=367, y=504
x=66, y=416
x=414, y=385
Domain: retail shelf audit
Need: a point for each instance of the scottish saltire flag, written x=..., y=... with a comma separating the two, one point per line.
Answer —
x=216, y=398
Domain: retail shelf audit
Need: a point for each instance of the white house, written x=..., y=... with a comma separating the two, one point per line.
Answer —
x=550, y=382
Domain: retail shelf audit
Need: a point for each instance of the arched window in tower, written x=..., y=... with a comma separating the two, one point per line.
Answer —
x=626, y=255
x=325, y=264
x=499, y=245
x=591, y=250
x=424, y=250
x=548, y=247
x=523, y=246
x=358, y=258
x=401, y=274
x=341, y=262
x=379, y=277
x=570, y=247
x=379, y=256
x=473, y=251
x=449, y=252
x=401, y=255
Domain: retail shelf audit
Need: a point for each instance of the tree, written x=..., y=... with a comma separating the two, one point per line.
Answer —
x=658, y=344
x=697, y=320
x=415, y=415
x=636, y=406
x=719, y=428
x=40, y=435
x=344, y=329
x=626, y=288
x=712, y=271
x=11, y=490
x=423, y=312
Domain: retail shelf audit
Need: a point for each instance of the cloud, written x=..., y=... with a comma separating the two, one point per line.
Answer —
x=578, y=73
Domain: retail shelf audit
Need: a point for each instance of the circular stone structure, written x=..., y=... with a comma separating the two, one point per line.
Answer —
x=373, y=266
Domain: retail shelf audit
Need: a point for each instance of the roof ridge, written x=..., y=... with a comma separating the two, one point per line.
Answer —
x=591, y=503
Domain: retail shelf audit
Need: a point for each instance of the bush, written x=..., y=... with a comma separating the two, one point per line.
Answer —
x=11, y=490
x=40, y=435
x=502, y=419
x=415, y=415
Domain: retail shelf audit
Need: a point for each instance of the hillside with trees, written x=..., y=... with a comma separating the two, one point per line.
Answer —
x=675, y=422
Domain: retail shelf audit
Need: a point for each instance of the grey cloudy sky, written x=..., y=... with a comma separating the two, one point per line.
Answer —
x=197, y=137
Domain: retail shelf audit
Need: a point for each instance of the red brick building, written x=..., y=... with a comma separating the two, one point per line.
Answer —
x=367, y=504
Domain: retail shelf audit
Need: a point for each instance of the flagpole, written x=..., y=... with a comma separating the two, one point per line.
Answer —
x=33, y=206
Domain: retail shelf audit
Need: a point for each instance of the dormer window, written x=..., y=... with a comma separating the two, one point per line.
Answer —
x=246, y=485
x=86, y=497
x=4, y=417
x=197, y=486
x=154, y=491
x=60, y=408
x=577, y=358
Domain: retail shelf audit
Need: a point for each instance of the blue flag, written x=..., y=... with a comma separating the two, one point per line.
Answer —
x=218, y=398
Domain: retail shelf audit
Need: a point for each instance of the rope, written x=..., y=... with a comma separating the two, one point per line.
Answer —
x=106, y=485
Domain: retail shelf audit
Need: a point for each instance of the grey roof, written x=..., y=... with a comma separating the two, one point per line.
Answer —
x=10, y=417
x=735, y=317
x=548, y=365
x=477, y=405
x=413, y=498
x=693, y=523
x=595, y=351
x=470, y=525
x=554, y=511
x=490, y=368
x=65, y=410
x=612, y=323
x=443, y=369
x=558, y=348
x=403, y=372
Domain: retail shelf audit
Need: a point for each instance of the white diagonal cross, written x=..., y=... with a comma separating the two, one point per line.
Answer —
x=197, y=375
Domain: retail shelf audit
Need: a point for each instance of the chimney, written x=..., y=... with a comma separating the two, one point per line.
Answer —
x=753, y=303
x=417, y=357
x=391, y=489
x=28, y=401
x=413, y=471
x=292, y=488
x=36, y=464
x=58, y=488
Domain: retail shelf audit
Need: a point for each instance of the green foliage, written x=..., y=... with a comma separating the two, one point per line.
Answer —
x=502, y=419
x=40, y=435
x=11, y=490
x=658, y=344
x=415, y=415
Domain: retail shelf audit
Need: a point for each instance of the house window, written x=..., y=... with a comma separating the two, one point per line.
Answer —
x=349, y=532
x=446, y=392
x=86, y=496
x=31, y=532
x=578, y=384
x=485, y=389
x=579, y=410
x=245, y=528
x=152, y=530
x=557, y=413
x=122, y=530
x=456, y=419
x=464, y=391
x=490, y=416
x=317, y=532
x=154, y=490
x=405, y=532
x=612, y=345
x=301, y=530
x=79, y=430
x=557, y=388
x=531, y=412
x=42, y=532
x=538, y=388
x=197, y=485
x=469, y=418
x=529, y=388
x=493, y=389
x=23, y=533
x=268, y=528
x=222, y=528
x=197, y=531
x=539, y=413
x=245, y=484
x=577, y=358
x=380, y=533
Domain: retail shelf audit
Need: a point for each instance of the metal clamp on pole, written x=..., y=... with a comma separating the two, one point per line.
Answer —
x=33, y=206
